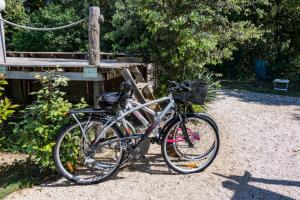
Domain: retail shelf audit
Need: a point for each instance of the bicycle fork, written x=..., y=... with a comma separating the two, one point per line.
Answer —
x=184, y=131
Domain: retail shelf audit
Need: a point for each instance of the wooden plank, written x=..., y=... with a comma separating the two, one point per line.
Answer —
x=67, y=55
x=112, y=74
x=127, y=76
x=17, y=53
x=55, y=62
x=75, y=76
x=148, y=93
x=137, y=74
x=96, y=85
x=137, y=93
x=141, y=86
x=129, y=59
x=99, y=87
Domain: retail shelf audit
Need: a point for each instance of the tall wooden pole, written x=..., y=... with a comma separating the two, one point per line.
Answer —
x=94, y=36
x=2, y=43
x=94, y=46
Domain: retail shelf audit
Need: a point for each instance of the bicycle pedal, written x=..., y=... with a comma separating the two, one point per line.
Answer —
x=154, y=140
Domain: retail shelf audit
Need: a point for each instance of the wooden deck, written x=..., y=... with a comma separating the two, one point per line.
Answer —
x=93, y=66
x=54, y=62
x=74, y=69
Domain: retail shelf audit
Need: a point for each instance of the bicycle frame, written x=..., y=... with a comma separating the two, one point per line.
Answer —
x=144, y=106
x=130, y=104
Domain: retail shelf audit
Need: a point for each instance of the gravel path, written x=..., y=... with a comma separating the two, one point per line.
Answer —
x=8, y=158
x=259, y=159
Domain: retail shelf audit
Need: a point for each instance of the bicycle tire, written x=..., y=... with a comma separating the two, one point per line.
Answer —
x=62, y=168
x=214, y=151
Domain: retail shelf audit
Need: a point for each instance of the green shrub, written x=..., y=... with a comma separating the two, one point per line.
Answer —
x=6, y=106
x=42, y=120
x=6, y=109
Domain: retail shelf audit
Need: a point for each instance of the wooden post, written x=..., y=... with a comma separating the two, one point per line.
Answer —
x=94, y=45
x=2, y=43
x=94, y=36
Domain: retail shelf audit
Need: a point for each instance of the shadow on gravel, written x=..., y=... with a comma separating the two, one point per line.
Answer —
x=243, y=190
x=66, y=183
x=153, y=164
x=19, y=175
x=296, y=116
x=267, y=99
x=145, y=166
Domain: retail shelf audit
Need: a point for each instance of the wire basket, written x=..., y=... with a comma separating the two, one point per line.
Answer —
x=197, y=95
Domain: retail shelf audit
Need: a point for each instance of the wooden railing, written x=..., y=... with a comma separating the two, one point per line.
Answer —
x=66, y=55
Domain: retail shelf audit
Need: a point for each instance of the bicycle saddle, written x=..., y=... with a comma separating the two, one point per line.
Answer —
x=112, y=98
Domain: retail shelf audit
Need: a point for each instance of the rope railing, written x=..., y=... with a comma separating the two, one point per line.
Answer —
x=43, y=29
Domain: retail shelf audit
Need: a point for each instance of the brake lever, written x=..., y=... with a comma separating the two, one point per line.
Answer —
x=173, y=83
x=185, y=87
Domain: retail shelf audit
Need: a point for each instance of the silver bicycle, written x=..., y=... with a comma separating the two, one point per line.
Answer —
x=91, y=149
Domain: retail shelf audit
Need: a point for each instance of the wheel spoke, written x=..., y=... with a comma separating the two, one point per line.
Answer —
x=78, y=162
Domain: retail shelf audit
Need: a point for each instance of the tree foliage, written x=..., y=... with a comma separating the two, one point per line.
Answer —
x=279, y=44
x=182, y=35
x=52, y=14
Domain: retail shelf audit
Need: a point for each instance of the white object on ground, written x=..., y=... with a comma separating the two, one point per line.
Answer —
x=281, y=81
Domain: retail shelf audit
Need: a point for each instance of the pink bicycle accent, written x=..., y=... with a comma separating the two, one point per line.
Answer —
x=192, y=135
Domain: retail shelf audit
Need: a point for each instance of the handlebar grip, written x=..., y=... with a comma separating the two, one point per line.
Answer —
x=173, y=83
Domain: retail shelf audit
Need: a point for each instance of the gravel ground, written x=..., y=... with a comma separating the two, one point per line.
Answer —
x=8, y=158
x=259, y=159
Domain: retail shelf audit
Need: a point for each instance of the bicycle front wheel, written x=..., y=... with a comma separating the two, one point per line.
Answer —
x=195, y=157
x=78, y=162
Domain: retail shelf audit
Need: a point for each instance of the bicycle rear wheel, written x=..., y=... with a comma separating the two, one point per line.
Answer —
x=203, y=134
x=78, y=162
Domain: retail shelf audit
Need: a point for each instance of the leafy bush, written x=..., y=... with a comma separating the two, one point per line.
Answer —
x=42, y=120
x=6, y=109
x=6, y=106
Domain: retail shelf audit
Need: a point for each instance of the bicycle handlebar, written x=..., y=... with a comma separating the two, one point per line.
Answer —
x=179, y=87
x=126, y=87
